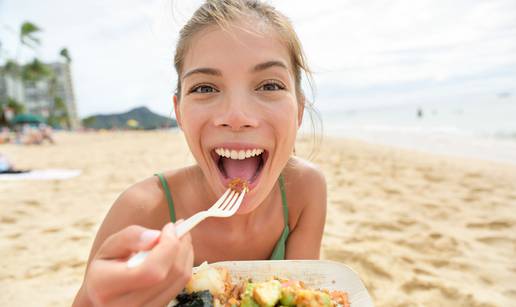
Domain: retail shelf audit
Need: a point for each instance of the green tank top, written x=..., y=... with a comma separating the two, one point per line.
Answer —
x=279, y=250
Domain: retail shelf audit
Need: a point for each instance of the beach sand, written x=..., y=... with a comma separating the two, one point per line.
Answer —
x=419, y=229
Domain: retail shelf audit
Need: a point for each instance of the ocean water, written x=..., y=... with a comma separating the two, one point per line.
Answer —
x=477, y=130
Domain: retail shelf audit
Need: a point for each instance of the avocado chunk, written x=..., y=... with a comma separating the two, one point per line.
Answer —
x=247, y=297
x=288, y=296
x=267, y=294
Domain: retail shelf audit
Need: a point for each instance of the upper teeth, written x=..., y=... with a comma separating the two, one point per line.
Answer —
x=238, y=154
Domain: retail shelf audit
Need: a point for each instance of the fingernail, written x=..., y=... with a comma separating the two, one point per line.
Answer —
x=149, y=235
x=170, y=229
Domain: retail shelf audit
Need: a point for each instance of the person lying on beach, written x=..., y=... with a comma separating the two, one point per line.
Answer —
x=32, y=135
x=6, y=167
x=239, y=104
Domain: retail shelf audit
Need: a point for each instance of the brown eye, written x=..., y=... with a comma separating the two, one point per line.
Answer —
x=203, y=89
x=271, y=86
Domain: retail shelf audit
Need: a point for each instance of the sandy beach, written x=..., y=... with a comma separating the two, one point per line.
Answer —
x=419, y=229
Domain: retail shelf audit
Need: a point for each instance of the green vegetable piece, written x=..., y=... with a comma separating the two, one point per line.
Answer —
x=247, y=297
x=249, y=302
x=323, y=298
x=288, y=296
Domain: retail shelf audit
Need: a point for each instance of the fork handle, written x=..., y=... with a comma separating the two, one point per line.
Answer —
x=190, y=223
x=181, y=229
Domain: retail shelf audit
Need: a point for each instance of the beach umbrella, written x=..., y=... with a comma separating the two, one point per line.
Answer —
x=27, y=119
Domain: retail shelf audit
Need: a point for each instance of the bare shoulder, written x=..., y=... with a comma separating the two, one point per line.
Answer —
x=139, y=203
x=144, y=203
x=306, y=187
x=306, y=177
x=307, y=208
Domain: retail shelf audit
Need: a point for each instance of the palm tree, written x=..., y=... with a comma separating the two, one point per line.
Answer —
x=36, y=70
x=27, y=37
x=66, y=55
x=11, y=68
x=1, y=50
x=59, y=114
x=27, y=34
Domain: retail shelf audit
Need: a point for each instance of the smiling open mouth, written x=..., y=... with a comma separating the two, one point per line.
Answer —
x=245, y=164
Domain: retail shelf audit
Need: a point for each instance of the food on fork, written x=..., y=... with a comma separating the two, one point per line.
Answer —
x=213, y=286
x=239, y=185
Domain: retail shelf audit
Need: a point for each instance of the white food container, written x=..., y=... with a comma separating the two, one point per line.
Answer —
x=322, y=274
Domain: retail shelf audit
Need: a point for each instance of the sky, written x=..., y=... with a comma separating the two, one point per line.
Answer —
x=364, y=54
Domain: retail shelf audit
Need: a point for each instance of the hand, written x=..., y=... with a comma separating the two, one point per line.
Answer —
x=163, y=274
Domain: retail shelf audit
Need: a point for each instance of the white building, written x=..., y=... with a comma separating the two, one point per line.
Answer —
x=38, y=97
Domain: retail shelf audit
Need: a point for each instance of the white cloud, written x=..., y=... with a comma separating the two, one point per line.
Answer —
x=379, y=52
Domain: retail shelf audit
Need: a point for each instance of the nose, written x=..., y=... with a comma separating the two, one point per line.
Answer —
x=236, y=113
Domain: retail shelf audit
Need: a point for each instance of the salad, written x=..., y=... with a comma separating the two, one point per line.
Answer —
x=213, y=286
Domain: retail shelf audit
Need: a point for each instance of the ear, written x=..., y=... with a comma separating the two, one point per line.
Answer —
x=177, y=112
x=300, y=111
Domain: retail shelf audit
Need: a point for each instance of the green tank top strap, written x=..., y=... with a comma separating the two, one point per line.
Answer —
x=279, y=250
x=283, y=199
x=170, y=202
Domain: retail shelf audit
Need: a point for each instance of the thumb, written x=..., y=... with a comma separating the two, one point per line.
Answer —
x=127, y=241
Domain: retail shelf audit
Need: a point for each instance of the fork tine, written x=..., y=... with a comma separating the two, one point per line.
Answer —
x=225, y=201
x=231, y=200
x=236, y=204
x=221, y=199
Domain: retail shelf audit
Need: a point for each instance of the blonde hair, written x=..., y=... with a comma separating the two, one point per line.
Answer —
x=222, y=13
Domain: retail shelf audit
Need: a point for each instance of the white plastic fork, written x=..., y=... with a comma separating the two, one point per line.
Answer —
x=225, y=206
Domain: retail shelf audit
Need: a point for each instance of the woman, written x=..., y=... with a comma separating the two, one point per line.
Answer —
x=239, y=103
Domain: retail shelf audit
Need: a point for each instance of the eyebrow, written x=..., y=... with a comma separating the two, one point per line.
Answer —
x=269, y=64
x=203, y=70
x=216, y=72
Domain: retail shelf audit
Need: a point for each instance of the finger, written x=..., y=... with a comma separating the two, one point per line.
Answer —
x=152, y=271
x=111, y=278
x=177, y=278
x=127, y=241
x=108, y=279
x=186, y=238
x=114, y=277
x=162, y=256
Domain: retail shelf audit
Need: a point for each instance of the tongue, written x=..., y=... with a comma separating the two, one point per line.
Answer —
x=244, y=169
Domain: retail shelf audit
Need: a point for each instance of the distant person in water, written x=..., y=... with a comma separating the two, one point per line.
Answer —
x=7, y=168
x=420, y=113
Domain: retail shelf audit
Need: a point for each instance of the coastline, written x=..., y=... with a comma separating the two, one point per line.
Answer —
x=443, y=142
x=418, y=228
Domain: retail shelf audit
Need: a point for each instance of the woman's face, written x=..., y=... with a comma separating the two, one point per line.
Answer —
x=238, y=107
